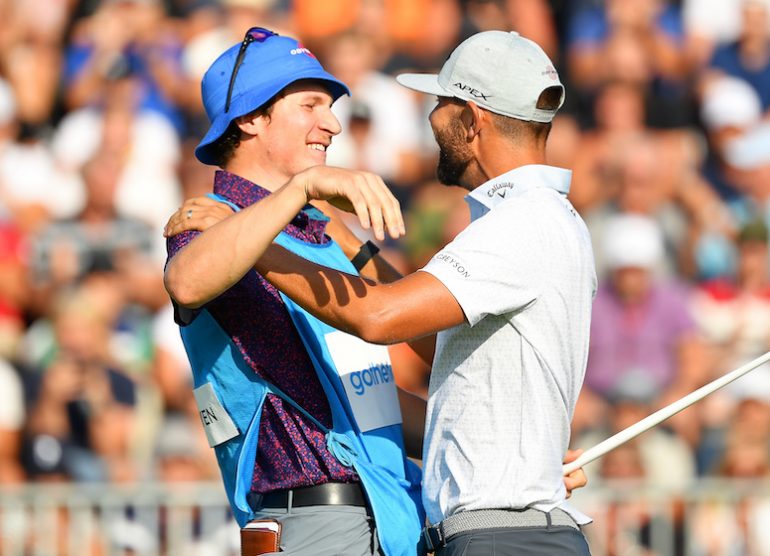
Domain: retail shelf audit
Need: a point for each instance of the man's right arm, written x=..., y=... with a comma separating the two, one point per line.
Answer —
x=216, y=259
x=378, y=268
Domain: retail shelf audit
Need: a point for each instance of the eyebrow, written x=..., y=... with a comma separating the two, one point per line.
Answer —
x=317, y=96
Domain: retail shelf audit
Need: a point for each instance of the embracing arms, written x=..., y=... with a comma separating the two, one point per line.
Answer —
x=216, y=260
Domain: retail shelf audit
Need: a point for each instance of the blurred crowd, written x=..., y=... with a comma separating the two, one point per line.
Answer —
x=666, y=126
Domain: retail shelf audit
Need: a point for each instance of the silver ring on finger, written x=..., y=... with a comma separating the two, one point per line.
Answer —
x=189, y=214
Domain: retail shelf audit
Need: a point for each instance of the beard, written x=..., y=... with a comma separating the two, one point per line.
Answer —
x=454, y=154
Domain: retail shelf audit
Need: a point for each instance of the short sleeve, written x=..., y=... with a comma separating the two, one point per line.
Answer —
x=493, y=266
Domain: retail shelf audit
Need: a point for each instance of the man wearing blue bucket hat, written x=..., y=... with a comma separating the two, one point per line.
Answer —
x=305, y=419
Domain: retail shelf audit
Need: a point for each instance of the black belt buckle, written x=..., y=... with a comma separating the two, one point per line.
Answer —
x=434, y=537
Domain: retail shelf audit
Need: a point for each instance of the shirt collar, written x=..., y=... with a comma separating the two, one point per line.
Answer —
x=493, y=192
x=237, y=189
x=245, y=193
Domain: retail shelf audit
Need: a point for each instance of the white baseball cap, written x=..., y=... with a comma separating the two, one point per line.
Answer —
x=730, y=102
x=751, y=150
x=500, y=71
x=632, y=240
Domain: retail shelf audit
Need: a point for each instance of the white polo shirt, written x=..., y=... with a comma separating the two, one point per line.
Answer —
x=504, y=386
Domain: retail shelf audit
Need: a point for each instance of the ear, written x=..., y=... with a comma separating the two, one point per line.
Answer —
x=474, y=119
x=251, y=124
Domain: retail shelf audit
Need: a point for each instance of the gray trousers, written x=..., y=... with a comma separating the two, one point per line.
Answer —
x=526, y=541
x=325, y=531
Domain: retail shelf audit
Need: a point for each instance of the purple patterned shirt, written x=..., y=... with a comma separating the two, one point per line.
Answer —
x=292, y=451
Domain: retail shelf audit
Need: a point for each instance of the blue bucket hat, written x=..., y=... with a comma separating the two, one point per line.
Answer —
x=268, y=65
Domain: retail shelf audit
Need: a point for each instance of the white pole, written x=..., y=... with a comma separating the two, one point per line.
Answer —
x=662, y=414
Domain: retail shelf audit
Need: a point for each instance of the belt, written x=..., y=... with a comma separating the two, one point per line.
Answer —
x=437, y=536
x=327, y=494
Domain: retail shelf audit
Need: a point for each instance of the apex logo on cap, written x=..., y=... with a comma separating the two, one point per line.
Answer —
x=472, y=91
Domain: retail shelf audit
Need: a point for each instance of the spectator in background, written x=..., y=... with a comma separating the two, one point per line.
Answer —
x=82, y=409
x=749, y=155
x=99, y=239
x=435, y=217
x=31, y=45
x=733, y=312
x=126, y=36
x=618, y=113
x=143, y=140
x=749, y=57
x=438, y=28
x=389, y=143
x=663, y=458
x=641, y=324
x=639, y=178
x=709, y=24
x=720, y=527
x=531, y=18
x=635, y=41
x=396, y=24
x=620, y=117
x=729, y=107
x=31, y=189
x=631, y=525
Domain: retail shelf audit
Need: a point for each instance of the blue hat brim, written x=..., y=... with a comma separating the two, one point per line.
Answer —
x=248, y=103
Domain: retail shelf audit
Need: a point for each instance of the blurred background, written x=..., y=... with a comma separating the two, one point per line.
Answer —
x=666, y=127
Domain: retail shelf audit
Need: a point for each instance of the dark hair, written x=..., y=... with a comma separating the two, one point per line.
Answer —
x=517, y=129
x=223, y=149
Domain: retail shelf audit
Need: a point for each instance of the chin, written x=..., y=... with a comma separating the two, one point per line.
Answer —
x=316, y=159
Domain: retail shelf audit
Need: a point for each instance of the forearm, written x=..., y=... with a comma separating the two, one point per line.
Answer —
x=413, y=409
x=411, y=308
x=223, y=254
x=344, y=301
x=377, y=268
x=382, y=271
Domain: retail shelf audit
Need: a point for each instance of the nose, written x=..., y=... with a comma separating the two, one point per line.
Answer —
x=329, y=122
x=432, y=115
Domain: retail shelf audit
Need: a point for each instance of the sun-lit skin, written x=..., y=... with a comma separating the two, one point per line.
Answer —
x=472, y=149
x=454, y=153
x=292, y=138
